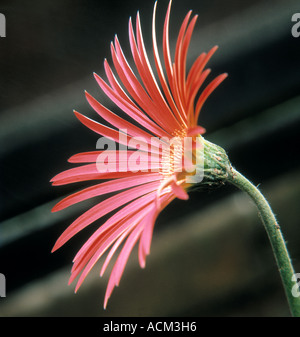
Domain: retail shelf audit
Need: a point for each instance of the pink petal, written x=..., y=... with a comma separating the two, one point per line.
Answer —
x=108, y=132
x=131, y=210
x=179, y=191
x=197, y=130
x=130, y=108
x=109, y=232
x=178, y=114
x=102, y=209
x=121, y=261
x=121, y=155
x=196, y=86
x=179, y=60
x=114, y=119
x=166, y=47
x=103, y=188
x=88, y=172
x=208, y=90
x=106, y=242
x=146, y=237
x=169, y=121
x=198, y=67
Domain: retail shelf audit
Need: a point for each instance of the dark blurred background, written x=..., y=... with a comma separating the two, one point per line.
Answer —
x=210, y=256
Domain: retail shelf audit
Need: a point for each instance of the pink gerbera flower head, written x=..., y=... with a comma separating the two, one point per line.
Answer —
x=166, y=110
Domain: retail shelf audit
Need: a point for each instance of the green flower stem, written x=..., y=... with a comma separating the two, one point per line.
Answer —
x=273, y=230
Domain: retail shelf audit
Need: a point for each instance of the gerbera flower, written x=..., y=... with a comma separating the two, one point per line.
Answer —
x=165, y=109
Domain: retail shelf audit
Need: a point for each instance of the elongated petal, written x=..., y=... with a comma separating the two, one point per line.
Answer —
x=126, y=106
x=146, y=237
x=132, y=239
x=179, y=115
x=110, y=231
x=132, y=209
x=208, y=90
x=169, y=119
x=104, y=188
x=115, y=120
x=121, y=156
x=126, y=226
x=166, y=47
x=92, y=172
x=198, y=66
x=102, y=209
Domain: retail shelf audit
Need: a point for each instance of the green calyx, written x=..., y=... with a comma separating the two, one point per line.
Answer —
x=217, y=166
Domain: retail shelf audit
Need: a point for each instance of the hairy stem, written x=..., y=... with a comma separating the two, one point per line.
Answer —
x=275, y=236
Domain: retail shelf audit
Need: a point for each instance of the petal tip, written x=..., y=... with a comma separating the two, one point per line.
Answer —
x=55, y=208
x=54, y=249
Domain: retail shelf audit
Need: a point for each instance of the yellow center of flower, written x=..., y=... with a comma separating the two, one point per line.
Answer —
x=179, y=157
